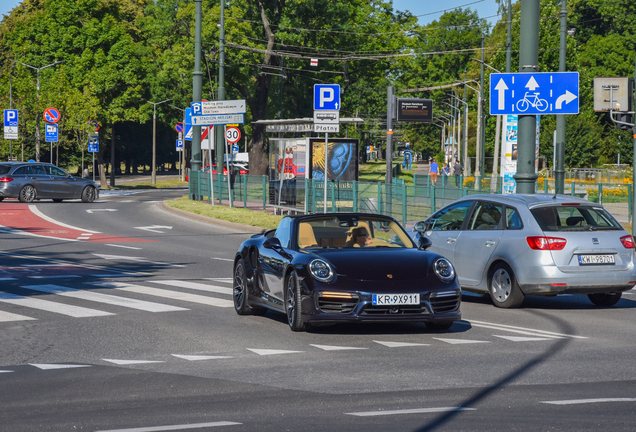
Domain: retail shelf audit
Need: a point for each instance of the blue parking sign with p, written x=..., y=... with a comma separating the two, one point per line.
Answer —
x=326, y=97
x=10, y=117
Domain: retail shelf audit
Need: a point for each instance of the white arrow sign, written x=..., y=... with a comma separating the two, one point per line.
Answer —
x=136, y=259
x=567, y=98
x=154, y=228
x=501, y=87
x=532, y=84
x=98, y=210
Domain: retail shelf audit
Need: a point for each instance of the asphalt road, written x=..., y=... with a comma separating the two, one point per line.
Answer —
x=117, y=316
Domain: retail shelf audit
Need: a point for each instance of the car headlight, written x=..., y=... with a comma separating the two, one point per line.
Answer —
x=444, y=269
x=321, y=271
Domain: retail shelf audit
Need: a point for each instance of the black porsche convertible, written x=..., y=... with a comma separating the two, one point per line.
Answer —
x=344, y=267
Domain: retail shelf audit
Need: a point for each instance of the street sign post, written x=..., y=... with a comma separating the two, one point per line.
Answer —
x=326, y=97
x=179, y=127
x=51, y=133
x=10, y=124
x=235, y=148
x=179, y=145
x=93, y=147
x=326, y=117
x=232, y=135
x=216, y=119
x=534, y=93
x=51, y=115
x=206, y=108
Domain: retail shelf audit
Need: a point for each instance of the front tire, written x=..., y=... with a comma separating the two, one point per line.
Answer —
x=605, y=299
x=88, y=194
x=27, y=194
x=503, y=287
x=292, y=303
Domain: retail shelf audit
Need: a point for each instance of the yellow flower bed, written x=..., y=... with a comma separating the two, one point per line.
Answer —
x=469, y=182
x=617, y=192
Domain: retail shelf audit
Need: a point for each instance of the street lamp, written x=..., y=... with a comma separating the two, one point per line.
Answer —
x=154, y=139
x=465, y=146
x=182, y=157
x=37, y=117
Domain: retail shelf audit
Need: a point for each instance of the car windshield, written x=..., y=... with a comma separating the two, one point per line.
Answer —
x=574, y=218
x=352, y=232
x=4, y=169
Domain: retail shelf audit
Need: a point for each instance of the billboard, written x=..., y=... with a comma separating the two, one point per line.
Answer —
x=342, y=159
x=415, y=110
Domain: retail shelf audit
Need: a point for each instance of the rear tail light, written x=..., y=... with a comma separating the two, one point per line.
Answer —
x=628, y=242
x=5, y=179
x=546, y=243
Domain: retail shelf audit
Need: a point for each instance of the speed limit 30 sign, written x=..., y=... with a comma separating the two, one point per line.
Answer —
x=232, y=135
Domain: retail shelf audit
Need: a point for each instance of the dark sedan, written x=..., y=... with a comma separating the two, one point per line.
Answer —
x=344, y=267
x=28, y=181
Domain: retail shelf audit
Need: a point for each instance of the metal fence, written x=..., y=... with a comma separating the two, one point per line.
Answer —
x=406, y=203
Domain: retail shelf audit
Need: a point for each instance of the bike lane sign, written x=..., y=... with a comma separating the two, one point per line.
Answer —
x=534, y=93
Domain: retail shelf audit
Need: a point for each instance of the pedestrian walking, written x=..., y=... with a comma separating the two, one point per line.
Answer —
x=457, y=172
x=433, y=170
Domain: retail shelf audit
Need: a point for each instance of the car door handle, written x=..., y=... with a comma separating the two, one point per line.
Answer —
x=451, y=240
x=491, y=243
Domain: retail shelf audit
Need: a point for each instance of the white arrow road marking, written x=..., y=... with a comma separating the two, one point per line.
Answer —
x=409, y=411
x=520, y=330
x=335, y=348
x=567, y=98
x=501, y=87
x=460, y=341
x=264, y=352
x=122, y=246
x=200, y=357
x=130, y=362
x=38, y=213
x=399, y=344
x=174, y=427
x=155, y=228
x=532, y=84
x=222, y=259
x=57, y=366
x=584, y=401
x=100, y=210
x=137, y=259
x=523, y=338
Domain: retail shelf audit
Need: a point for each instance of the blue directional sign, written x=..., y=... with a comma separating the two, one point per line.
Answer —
x=10, y=117
x=188, y=124
x=534, y=93
x=51, y=133
x=326, y=97
x=93, y=143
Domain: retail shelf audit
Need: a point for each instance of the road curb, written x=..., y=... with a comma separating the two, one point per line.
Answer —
x=211, y=220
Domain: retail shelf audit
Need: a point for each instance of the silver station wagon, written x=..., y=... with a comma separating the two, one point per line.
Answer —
x=29, y=181
x=512, y=246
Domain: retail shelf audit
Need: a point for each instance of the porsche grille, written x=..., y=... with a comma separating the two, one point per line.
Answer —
x=446, y=303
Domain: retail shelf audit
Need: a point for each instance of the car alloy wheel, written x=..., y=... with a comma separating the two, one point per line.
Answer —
x=27, y=194
x=503, y=288
x=239, y=290
x=88, y=194
x=292, y=300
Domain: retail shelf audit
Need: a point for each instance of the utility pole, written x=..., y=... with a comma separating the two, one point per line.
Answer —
x=466, y=160
x=197, y=79
x=220, y=130
x=154, y=143
x=509, y=39
x=526, y=177
x=559, y=169
x=389, y=135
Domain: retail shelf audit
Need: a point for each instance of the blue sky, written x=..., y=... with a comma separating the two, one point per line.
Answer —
x=430, y=9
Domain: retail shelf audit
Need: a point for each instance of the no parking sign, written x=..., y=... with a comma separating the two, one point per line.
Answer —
x=51, y=115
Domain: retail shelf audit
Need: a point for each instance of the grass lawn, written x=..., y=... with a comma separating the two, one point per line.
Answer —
x=147, y=185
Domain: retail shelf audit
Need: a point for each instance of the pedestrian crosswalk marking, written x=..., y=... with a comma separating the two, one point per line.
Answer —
x=8, y=316
x=264, y=352
x=399, y=344
x=460, y=341
x=336, y=348
x=131, y=362
x=175, y=295
x=103, y=298
x=200, y=357
x=64, y=309
x=51, y=366
x=195, y=286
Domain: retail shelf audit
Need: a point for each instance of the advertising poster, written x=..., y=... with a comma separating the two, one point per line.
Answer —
x=509, y=152
x=342, y=159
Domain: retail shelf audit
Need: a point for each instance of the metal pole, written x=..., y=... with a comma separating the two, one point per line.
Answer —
x=509, y=39
x=220, y=136
x=10, y=107
x=153, y=177
x=526, y=176
x=37, y=120
x=482, y=120
x=466, y=168
x=559, y=169
x=389, y=135
x=195, y=161
x=229, y=173
x=326, y=170
x=634, y=158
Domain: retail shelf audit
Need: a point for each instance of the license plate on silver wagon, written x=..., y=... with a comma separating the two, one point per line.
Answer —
x=607, y=259
x=395, y=299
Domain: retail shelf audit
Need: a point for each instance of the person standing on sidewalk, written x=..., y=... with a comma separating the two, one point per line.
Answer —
x=433, y=171
x=457, y=172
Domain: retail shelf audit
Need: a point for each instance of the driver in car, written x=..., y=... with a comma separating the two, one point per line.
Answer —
x=359, y=238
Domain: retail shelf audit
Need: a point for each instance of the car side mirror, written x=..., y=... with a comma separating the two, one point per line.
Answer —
x=272, y=243
x=420, y=226
x=425, y=243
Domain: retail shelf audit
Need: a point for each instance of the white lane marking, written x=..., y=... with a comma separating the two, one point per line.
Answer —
x=227, y=280
x=54, y=277
x=130, y=362
x=524, y=338
x=100, y=210
x=264, y=352
x=39, y=214
x=336, y=348
x=222, y=259
x=200, y=357
x=5, y=371
x=8, y=316
x=521, y=330
x=155, y=228
x=195, y=286
x=64, y=309
x=115, y=275
x=174, y=295
x=136, y=259
x=70, y=264
x=174, y=427
x=7, y=279
x=586, y=401
x=52, y=366
x=104, y=298
x=409, y=411
x=460, y=341
x=6, y=230
x=122, y=246
x=399, y=344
